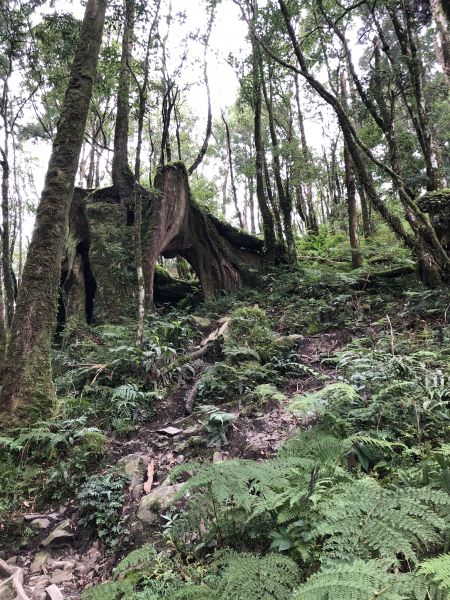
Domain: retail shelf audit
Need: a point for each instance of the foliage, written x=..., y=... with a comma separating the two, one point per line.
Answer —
x=101, y=501
x=217, y=424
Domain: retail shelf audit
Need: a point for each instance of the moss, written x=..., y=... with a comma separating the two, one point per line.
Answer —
x=112, y=263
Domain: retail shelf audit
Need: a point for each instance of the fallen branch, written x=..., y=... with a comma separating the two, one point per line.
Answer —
x=190, y=398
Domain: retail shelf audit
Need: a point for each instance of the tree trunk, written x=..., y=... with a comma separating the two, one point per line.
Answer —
x=267, y=218
x=6, y=242
x=285, y=205
x=2, y=324
x=311, y=224
x=351, y=190
x=27, y=378
x=443, y=36
x=232, y=180
x=222, y=256
x=121, y=173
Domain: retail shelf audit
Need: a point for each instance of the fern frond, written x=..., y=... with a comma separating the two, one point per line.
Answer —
x=360, y=580
x=437, y=570
x=137, y=558
x=365, y=520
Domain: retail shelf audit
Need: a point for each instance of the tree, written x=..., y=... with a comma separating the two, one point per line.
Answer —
x=27, y=390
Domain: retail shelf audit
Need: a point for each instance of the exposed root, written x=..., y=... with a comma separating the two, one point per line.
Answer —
x=13, y=583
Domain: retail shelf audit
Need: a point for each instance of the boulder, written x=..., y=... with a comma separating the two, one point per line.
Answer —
x=53, y=593
x=40, y=559
x=287, y=342
x=135, y=466
x=58, y=535
x=158, y=499
x=40, y=523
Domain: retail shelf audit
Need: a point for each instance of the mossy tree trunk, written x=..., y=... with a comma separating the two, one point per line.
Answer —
x=27, y=377
x=121, y=173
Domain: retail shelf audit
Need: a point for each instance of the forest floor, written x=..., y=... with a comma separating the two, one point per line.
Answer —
x=67, y=521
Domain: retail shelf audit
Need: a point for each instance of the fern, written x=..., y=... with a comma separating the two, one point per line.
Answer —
x=253, y=577
x=437, y=571
x=137, y=558
x=109, y=591
x=360, y=580
x=317, y=402
x=367, y=521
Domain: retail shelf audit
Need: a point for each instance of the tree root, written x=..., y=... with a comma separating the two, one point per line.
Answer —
x=14, y=582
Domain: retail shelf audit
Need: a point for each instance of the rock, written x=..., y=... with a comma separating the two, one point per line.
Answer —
x=53, y=592
x=40, y=559
x=60, y=576
x=170, y=431
x=158, y=499
x=12, y=560
x=202, y=322
x=288, y=341
x=63, y=564
x=219, y=457
x=135, y=466
x=59, y=535
x=40, y=523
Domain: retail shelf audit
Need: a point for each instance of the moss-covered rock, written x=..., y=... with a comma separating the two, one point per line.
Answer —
x=437, y=205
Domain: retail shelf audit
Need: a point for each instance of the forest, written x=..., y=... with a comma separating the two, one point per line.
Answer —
x=225, y=300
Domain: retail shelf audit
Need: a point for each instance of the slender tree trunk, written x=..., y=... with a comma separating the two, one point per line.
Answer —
x=251, y=188
x=138, y=189
x=443, y=36
x=232, y=180
x=273, y=202
x=204, y=148
x=266, y=215
x=285, y=205
x=224, y=193
x=312, y=218
x=6, y=240
x=2, y=324
x=351, y=190
x=121, y=173
x=27, y=377
x=91, y=170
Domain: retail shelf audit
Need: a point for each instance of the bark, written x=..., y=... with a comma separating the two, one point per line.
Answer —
x=27, y=383
x=221, y=256
x=443, y=36
x=251, y=201
x=121, y=173
x=2, y=324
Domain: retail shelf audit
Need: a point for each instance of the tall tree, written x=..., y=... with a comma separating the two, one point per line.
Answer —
x=27, y=390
